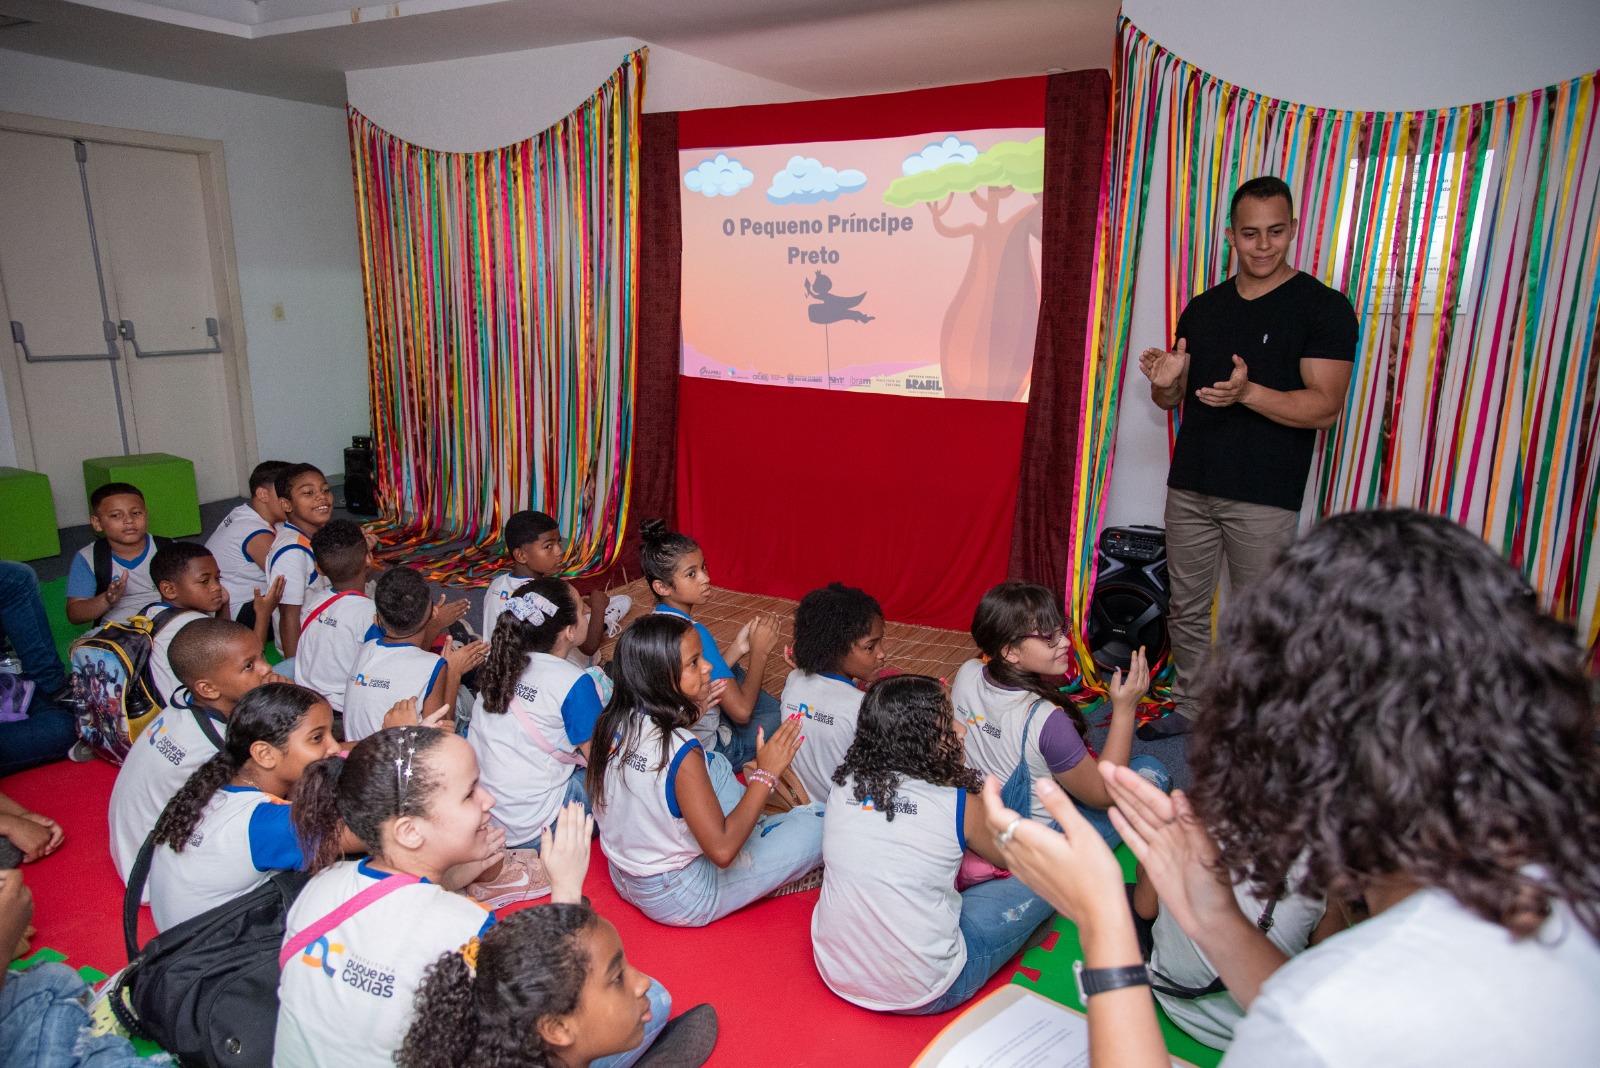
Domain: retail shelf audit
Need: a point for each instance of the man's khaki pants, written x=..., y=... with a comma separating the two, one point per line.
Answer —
x=1202, y=533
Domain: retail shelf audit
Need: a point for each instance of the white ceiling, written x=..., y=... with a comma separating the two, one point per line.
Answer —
x=300, y=49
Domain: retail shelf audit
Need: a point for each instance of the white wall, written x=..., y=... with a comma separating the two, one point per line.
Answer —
x=294, y=232
x=1380, y=55
x=470, y=105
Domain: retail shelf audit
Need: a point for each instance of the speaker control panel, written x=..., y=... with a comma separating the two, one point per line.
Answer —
x=1134, y=544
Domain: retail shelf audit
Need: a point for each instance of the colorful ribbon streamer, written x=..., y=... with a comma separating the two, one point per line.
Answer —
x=1467, y=240
x=502, y=296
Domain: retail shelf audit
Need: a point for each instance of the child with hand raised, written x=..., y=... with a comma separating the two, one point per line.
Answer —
x=411, y=796
x=1021, y=727
x=688, y=844
x=533, y=720
x=676, y=570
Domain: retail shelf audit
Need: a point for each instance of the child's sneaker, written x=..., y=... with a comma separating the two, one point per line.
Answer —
x=809, y=881
x=615, y=610
x=522, y=878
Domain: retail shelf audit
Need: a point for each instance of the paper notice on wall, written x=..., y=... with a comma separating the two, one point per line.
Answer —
x=1029, y=1033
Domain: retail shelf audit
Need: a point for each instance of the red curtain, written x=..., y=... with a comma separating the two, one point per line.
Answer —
x=655, y=390
x=1076, y=108
x=911, y=499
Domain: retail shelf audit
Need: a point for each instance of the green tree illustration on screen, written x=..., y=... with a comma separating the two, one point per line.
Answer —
x=986, y=342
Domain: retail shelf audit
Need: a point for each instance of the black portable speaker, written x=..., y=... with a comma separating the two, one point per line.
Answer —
x=360, y=483
x=1129, y=606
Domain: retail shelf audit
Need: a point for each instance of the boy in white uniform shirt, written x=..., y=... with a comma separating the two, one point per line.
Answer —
x=336, y=623
x=242, y=542
x=533, y=543
x=307, y=503
x=219, y=661
x=117, y=513
x=838, y=643
x=400, y=664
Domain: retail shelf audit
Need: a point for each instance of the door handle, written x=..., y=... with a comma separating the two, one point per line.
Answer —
x=107, y=327
x=130, y=336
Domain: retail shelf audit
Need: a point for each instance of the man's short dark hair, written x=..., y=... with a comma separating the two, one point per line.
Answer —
x=340, y=549
x=1265, y=187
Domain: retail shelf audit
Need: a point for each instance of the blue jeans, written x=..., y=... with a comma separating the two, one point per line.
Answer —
x=740, y=748
x=1147, y=766
x=49, y=731
x=24, y=623
x=660, y=1009
x=996, y=918
x=575, y=792
x=43, y=1018
x=780, y=849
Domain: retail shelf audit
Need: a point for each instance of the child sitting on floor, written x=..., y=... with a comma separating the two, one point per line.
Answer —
x=307, y=504
x=188, y=579
x=533, y=542
x=688, y=844
x=219, y=661
x=399, y=664
x=838, y=645
x=548, y=986
x=676, y=570
x=228, y=828
x=243, y=541
x=411, y=796
x=890, y=931
x=336, y=623
x=533, y=719
x=1016, y=719
x=96, y=592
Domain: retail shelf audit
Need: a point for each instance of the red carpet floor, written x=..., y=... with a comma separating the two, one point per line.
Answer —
x=754, y=966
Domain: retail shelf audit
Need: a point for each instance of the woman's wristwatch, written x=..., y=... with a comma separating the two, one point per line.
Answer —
x=1092, y=981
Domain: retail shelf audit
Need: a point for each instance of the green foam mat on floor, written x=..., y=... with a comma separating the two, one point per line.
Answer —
x=92, y=976
x=1054, y=968
x=54, y=593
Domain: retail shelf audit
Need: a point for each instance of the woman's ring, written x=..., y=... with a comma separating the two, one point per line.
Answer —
x=1003, y=839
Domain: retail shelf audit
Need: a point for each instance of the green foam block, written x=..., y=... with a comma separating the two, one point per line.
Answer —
x=166, y=481
x=29, y=531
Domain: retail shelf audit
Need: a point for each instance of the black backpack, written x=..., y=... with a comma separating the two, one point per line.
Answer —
x=206, y=991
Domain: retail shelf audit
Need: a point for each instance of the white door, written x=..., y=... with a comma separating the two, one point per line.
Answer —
x=140, y=216
x=154, y=241
x=47, y=269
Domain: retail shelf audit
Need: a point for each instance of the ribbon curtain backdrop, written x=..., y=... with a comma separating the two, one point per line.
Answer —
x=502, y=291
x=1467, y=240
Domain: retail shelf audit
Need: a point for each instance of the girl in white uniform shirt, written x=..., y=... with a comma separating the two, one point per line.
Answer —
x=228, y=828
x=838, y=645
x=533, y=719
x=688, y=844
x=1012, y=712
x=890, y=931
x=412, y=798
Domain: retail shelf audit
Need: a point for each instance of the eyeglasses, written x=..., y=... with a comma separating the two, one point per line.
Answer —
x=1053, y=639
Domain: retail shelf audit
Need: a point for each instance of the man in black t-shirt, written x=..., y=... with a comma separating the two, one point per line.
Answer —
x=1262, y=362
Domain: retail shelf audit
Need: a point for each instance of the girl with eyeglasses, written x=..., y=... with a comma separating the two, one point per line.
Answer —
x=1019, y=725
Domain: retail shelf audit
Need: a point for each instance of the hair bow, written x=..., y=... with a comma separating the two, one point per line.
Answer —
x=532, y=607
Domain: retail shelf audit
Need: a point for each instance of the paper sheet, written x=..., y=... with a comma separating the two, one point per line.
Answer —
x=1030, y=1033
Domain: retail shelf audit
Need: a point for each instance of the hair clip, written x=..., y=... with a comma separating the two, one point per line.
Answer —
x=532, y=607
x=469, y=953
x=402, y=772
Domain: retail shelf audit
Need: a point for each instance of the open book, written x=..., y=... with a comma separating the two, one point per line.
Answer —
x=1013, y=1028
